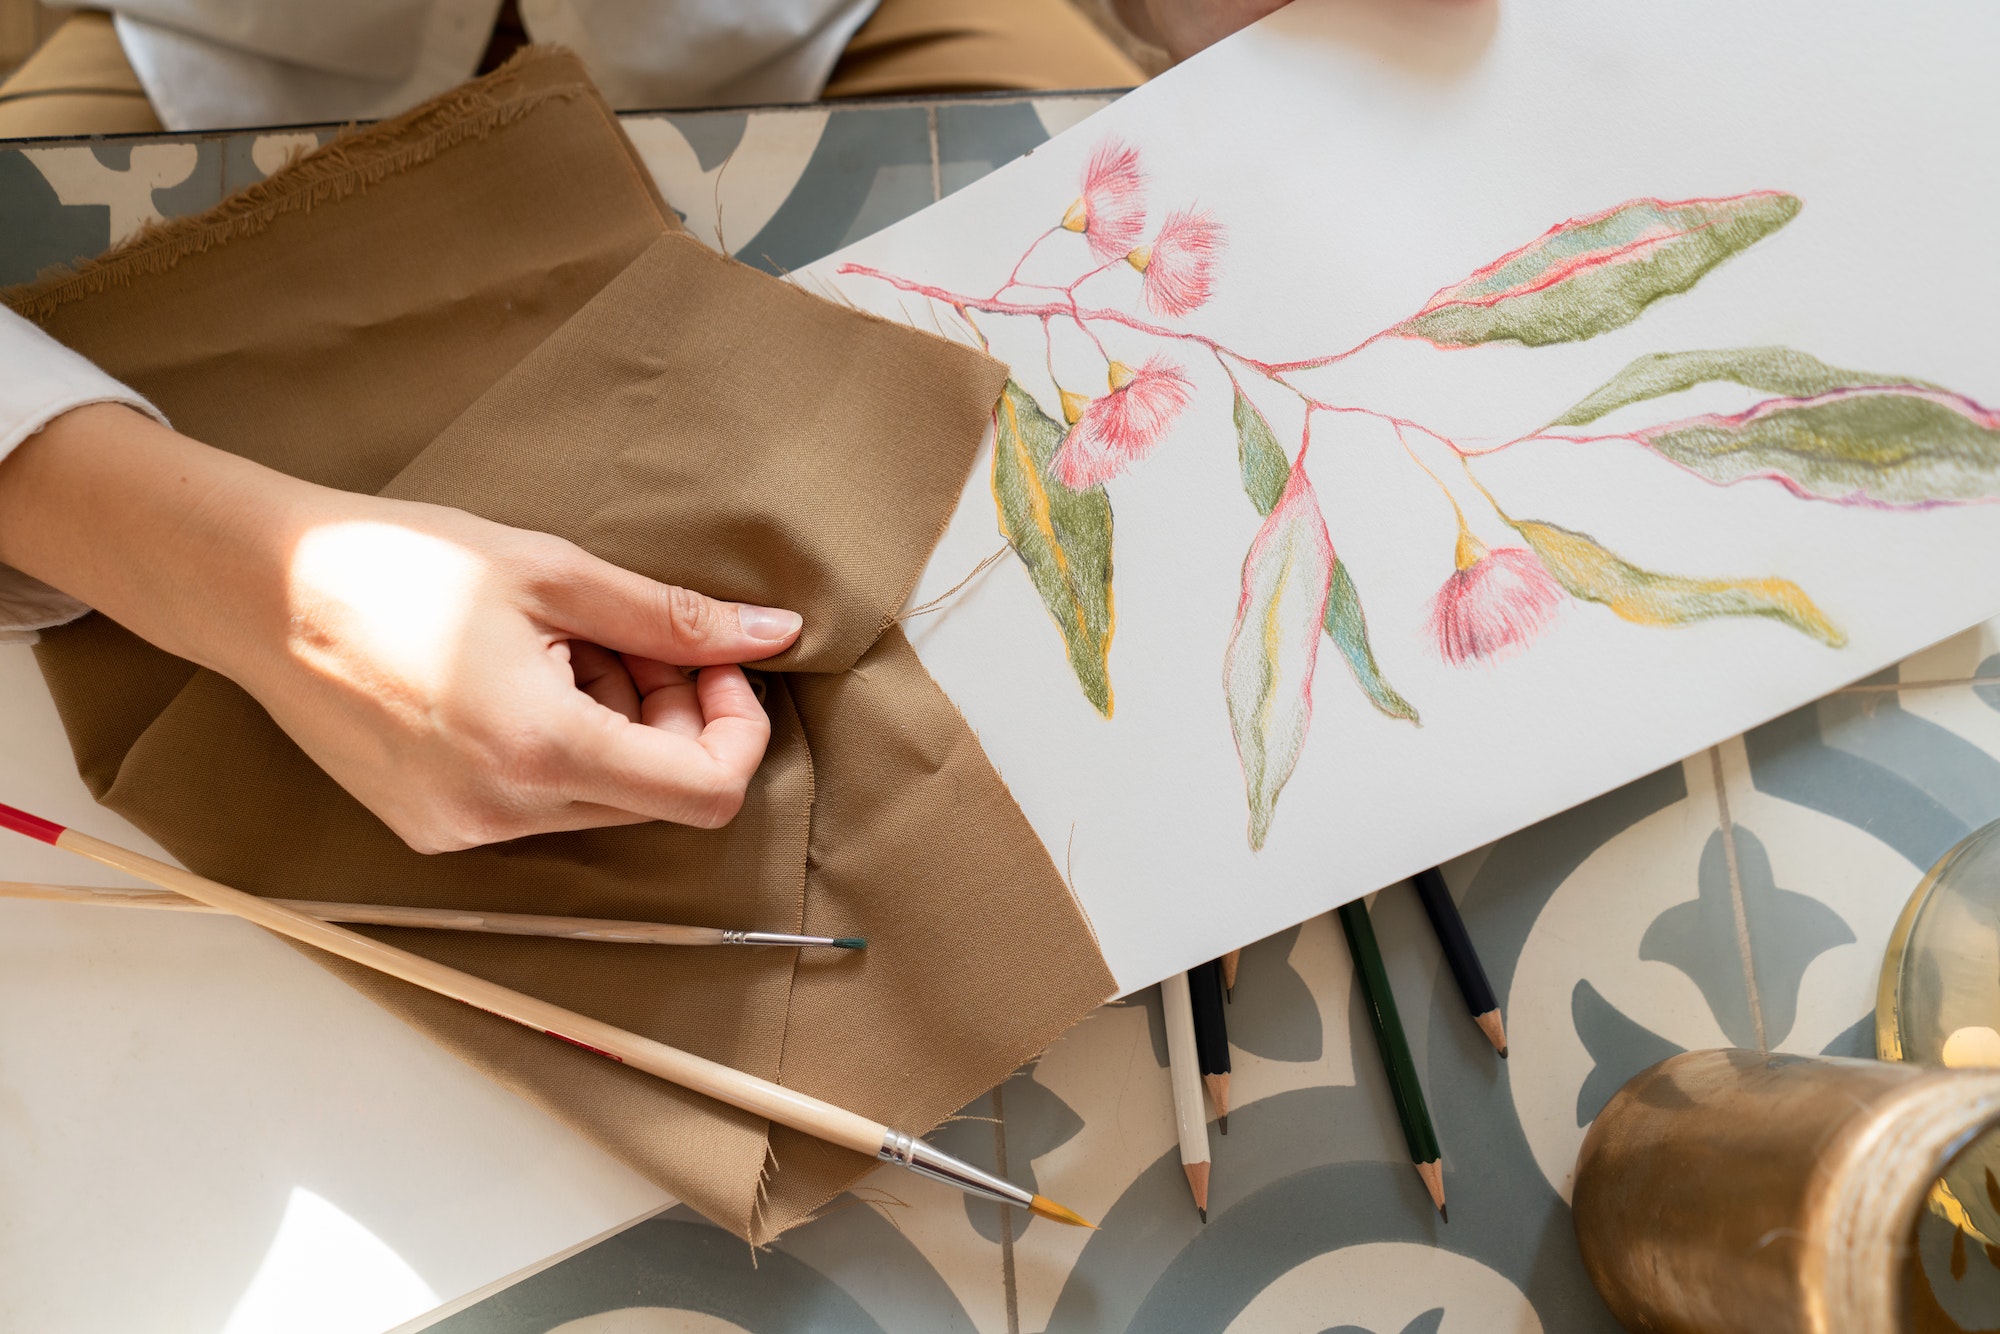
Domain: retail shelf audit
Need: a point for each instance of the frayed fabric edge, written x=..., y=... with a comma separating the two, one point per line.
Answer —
x=334, y=171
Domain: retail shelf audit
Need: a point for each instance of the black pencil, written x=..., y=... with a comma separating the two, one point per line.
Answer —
x=1458, y=952
x=1211, y=1036
x=1411, y=1109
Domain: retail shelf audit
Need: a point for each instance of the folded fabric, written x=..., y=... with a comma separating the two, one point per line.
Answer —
x=506, y=319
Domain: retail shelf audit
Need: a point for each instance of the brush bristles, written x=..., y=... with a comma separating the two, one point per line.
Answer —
x=850, y=942
x=1044, y=1207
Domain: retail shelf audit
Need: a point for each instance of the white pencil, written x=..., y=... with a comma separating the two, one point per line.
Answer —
x=1190, y=1113
x=761, y=1097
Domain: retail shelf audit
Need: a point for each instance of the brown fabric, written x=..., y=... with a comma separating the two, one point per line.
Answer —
x=911, y=47
x=77, y=82
x=505, y=321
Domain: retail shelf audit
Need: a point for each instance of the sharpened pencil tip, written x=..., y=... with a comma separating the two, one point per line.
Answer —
x=1503, y=1053
x=852, y=943
x=1044, y=1207
x=1223, y=1121
x=1204, y=1216
x=1444, y=1214
x=1433, y=1175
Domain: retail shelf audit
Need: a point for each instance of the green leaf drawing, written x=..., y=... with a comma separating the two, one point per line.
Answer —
x=1265, y=472
x=1898, y=445
x=1590, y=572
x=1593, y=274
x=1264, y=465
x=1062, y=536
x=1349, y=629
x=1770, y=370
x=1268, y=669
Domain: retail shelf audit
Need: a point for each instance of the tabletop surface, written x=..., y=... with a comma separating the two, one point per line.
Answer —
x=174, y=1157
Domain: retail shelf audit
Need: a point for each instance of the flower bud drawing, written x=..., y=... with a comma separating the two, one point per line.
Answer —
x=1124, y=425
x=1494, y=603
x=1111, y=214
x=1820, y=431
x=1179, y=266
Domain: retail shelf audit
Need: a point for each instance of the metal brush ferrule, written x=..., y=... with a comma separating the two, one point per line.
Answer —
x=772, y=938
x=938, y=1165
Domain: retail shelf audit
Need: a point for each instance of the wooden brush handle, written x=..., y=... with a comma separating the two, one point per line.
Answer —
x=761, y=1097
x=385, y=914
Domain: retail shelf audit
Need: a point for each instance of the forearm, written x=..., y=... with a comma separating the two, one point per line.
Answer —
x=178, y=542
x=466, y=681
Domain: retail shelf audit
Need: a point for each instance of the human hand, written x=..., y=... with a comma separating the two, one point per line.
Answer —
x=1184, y=27
x=466, y=681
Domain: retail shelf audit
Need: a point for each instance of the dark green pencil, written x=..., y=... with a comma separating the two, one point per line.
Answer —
x=1411, y=1109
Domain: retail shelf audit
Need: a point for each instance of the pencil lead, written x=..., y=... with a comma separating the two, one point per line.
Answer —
x=1444, y=1214
x=1503, y=1053
x=1204, y=1216
x=1044, y=1207
x=861, y=943
x=1223, y=1121
x=1433, y=1175
x=1197, y=1175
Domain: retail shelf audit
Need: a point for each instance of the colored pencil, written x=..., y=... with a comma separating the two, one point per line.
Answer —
x=1459, y=954
x=439, y=919
x=760, y=1097
x=1411, y=1108
x=1230, y=962
x=1211, y=1036
x=1183, y=1071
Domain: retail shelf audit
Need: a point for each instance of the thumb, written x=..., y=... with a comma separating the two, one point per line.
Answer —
x=595, y=600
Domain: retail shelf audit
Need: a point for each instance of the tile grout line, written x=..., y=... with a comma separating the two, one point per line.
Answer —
x=1736, y=905
x=937, y=164
x=1007, y=1281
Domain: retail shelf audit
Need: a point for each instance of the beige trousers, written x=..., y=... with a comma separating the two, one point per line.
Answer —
x=79, y=81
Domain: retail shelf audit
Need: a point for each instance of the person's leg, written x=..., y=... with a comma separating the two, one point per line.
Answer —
x=78, y=82
x=953, y=46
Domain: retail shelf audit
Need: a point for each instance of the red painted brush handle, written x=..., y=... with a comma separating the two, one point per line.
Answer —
x=34, y=826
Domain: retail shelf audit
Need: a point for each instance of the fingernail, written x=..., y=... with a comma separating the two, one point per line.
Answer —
x=768, y=622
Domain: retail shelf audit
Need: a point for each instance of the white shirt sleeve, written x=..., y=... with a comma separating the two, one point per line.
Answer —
x=40, y=379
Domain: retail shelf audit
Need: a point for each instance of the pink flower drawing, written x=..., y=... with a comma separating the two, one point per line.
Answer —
x=1124, y=425
x=1112, y=212
x=1179, y=266
x=1494, y=602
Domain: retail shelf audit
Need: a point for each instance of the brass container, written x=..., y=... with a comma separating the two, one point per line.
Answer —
x=1725, y=1191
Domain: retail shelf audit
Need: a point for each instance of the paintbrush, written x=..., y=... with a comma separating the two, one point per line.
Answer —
x=439, y=919
x=760, y=1097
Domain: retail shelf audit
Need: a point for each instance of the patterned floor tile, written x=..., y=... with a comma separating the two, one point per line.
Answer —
x=67, y=202
x=1741, y=897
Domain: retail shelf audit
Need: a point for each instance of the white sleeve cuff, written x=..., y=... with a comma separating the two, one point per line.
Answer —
x=40, y=381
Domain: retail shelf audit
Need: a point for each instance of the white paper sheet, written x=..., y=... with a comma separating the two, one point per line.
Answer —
x=1357, y=160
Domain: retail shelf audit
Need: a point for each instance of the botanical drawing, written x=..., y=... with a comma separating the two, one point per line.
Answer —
x=1824, y=433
